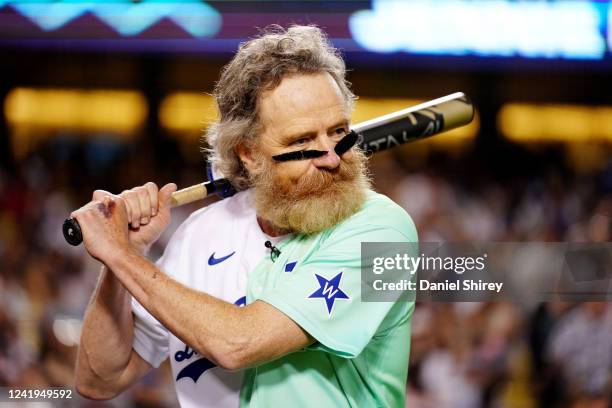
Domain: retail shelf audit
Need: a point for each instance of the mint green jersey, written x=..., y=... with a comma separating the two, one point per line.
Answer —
x=360, y=357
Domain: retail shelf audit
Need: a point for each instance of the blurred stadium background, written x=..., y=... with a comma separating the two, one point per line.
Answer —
x=113, y=94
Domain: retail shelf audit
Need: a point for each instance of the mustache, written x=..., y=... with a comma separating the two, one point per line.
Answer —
x=318, y=181
x=323, y=180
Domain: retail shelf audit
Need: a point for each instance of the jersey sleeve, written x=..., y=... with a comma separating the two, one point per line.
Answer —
x=323, y=293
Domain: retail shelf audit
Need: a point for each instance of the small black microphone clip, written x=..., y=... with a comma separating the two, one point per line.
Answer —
x=275, y=252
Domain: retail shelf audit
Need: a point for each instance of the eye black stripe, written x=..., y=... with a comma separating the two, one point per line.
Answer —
x=346, y=143
x=299, y=155
x=342, y=147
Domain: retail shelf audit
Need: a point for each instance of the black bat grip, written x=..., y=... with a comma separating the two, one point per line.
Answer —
x=72, y=232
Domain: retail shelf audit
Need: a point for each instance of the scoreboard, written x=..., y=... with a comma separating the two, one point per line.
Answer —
x=504, y=31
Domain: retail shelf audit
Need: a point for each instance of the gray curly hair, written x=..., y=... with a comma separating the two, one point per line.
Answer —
x=260, y=65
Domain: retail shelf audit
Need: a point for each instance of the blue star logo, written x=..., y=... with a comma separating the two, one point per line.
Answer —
x=329, y=290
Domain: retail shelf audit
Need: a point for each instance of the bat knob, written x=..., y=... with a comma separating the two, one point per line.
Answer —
x=72, y=232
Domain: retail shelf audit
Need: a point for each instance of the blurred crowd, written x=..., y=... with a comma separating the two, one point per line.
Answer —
x=497, y=354
x=501, y=354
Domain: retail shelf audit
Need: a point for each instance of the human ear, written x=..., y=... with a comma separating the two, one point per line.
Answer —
x=246, y=157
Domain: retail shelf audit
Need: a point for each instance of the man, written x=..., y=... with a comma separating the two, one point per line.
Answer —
x=304, y=335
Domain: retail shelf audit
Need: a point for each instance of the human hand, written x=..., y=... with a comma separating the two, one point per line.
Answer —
x=148, y=212
x=103, y=224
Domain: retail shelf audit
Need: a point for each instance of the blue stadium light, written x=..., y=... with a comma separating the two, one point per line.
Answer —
x=125, y=17
x=610, y=28
x=500, y=28
x=50, y=15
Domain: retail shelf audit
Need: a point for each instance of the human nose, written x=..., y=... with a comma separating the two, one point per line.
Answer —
x=331, y=160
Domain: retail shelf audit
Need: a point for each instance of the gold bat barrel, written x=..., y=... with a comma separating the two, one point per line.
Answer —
x=415, y=123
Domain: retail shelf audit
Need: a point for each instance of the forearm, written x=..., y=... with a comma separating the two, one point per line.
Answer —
x=106, y=337
x=214, y=328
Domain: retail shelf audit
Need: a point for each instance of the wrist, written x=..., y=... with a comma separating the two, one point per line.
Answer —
x=122, y=256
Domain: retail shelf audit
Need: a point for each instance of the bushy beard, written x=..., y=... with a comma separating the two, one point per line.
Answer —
x=316, y=201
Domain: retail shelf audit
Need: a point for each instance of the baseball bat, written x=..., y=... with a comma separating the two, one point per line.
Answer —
x=378, y=134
